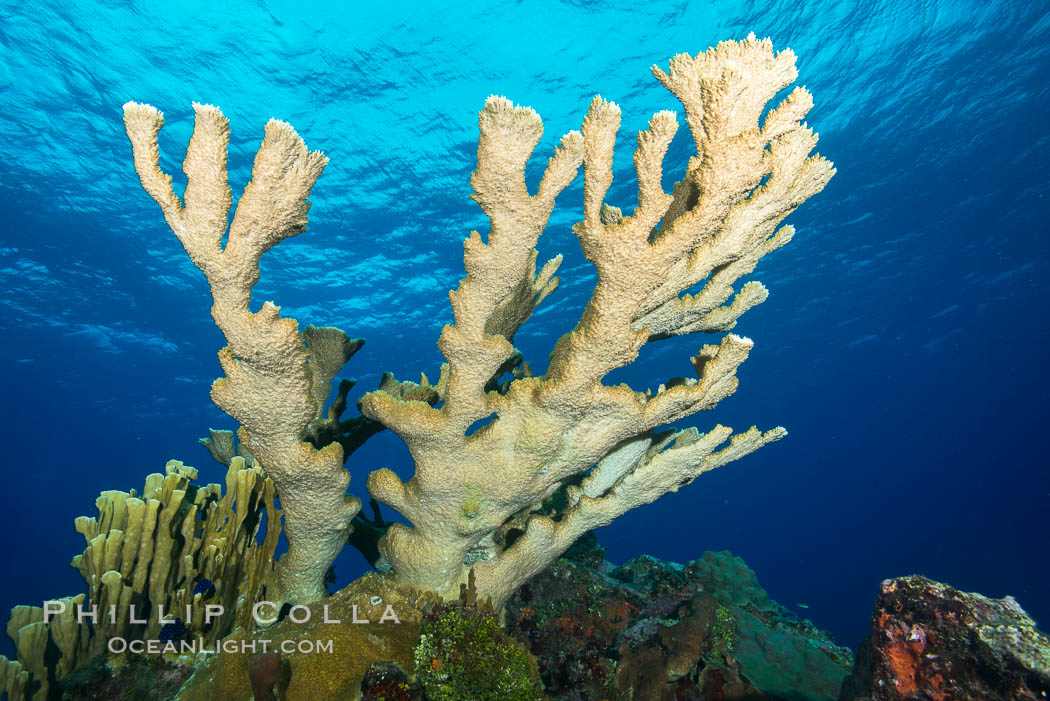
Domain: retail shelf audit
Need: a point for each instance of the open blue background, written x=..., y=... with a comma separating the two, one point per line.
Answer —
x=904, y=344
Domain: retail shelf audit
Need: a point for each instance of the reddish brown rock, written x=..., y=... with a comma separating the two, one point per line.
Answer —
x=932, y=642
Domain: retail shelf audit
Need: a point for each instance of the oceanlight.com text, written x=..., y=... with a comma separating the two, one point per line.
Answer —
x=158, y=647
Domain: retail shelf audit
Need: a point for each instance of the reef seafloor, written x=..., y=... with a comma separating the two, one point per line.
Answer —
x=586, y=629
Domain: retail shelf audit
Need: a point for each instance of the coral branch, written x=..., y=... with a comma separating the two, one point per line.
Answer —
x=471, y=493
x=277, y=379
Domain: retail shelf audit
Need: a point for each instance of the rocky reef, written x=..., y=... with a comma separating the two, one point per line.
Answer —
x=650, y=629
x=585, y=629
x=932, y=641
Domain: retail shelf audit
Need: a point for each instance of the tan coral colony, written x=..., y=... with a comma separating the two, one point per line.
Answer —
x=473, y=501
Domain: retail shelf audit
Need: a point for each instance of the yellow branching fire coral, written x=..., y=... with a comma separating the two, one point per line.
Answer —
x=145, y=553
x=475, y=498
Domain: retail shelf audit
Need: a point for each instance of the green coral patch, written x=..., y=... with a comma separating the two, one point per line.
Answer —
x=463, y=653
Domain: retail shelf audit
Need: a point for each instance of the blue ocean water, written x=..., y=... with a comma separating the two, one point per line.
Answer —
x=904, y=343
